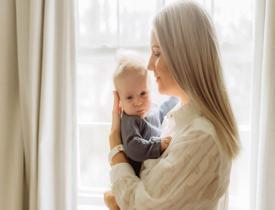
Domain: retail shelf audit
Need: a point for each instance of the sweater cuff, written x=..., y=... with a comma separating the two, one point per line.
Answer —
x=120, y=170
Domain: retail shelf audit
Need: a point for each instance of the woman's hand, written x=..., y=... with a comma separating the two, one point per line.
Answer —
x=115, y=128
x=116, y=113
x=115, y=138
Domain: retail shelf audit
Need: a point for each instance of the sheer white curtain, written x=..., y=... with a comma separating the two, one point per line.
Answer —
x=263, y=112
x=37, y=109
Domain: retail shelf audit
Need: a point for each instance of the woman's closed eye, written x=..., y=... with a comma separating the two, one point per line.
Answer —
x=156, y=54
x=156, y=51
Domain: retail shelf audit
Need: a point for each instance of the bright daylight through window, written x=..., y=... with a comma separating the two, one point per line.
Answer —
x=107, y=25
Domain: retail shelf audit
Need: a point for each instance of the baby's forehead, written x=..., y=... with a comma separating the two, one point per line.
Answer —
x=132, y=82
x=134, y=73
x=129, y=73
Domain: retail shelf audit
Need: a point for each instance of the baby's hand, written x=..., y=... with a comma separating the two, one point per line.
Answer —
x=110, y=201
x=164, y=143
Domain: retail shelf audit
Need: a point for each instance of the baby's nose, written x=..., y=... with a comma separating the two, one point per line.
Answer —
x=138, y=102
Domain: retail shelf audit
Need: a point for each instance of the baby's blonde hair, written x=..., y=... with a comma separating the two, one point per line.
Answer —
x=128, y=63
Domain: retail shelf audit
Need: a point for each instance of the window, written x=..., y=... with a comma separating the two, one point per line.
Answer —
x=104, y=26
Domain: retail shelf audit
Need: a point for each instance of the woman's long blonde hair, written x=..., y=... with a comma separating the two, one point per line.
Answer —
x=189, y=45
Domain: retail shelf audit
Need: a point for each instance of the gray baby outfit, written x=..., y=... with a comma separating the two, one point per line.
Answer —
x=141, y=136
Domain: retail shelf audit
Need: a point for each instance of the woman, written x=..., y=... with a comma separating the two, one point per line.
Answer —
x=193, y=173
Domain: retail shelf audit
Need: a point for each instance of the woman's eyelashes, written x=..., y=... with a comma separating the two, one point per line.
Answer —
x=156, y=51
x=156, y=54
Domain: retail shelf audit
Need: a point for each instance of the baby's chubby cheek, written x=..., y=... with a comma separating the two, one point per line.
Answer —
x=149, y=104
x=128, y=110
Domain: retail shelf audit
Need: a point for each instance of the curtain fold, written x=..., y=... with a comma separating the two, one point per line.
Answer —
x=39, y=118
x=263, y=110
x=11, y=146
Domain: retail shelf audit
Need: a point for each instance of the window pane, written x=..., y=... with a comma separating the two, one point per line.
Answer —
x=200, y=1
x=234, y=28
x=97, y=23
x=93, y=146
x=95, y=88
x=240, y=176
x=134, y=22
x=102, y=30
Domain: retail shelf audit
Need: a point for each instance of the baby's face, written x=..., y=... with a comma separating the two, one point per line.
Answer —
x=134, y=95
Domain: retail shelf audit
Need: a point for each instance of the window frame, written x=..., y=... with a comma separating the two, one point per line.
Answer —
x=90, y=196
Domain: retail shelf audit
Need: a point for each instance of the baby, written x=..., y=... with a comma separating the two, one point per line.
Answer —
x=140, y=124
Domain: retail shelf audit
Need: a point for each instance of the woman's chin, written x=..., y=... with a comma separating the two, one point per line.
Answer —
x=164, y=90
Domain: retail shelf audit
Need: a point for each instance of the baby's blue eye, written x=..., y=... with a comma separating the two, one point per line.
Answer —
x=129, y=98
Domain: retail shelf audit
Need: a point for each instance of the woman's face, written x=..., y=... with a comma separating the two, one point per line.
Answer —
x=165, y=81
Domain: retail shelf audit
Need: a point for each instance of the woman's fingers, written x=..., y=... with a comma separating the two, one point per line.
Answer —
x=116, y=107
x=115, y=127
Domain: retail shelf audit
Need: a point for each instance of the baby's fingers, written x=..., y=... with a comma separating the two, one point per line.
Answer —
x=167, y=139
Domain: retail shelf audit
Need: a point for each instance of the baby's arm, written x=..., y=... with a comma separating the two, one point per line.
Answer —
x=140, y=149
x=166, y=106
x=136, y=147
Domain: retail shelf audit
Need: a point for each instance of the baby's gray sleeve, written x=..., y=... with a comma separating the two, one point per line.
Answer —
x=166, y=106
x=136, y=147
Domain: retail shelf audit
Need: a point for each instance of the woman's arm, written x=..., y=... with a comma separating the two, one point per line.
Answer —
x=185, y=179
x=114, y=138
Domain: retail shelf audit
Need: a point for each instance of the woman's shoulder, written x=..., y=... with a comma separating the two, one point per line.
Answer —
x=202, y=128
x=199, y=130
x=202, y=125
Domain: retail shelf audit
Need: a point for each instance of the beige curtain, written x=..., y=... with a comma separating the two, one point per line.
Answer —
x=37, y=109
x=263, y=112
